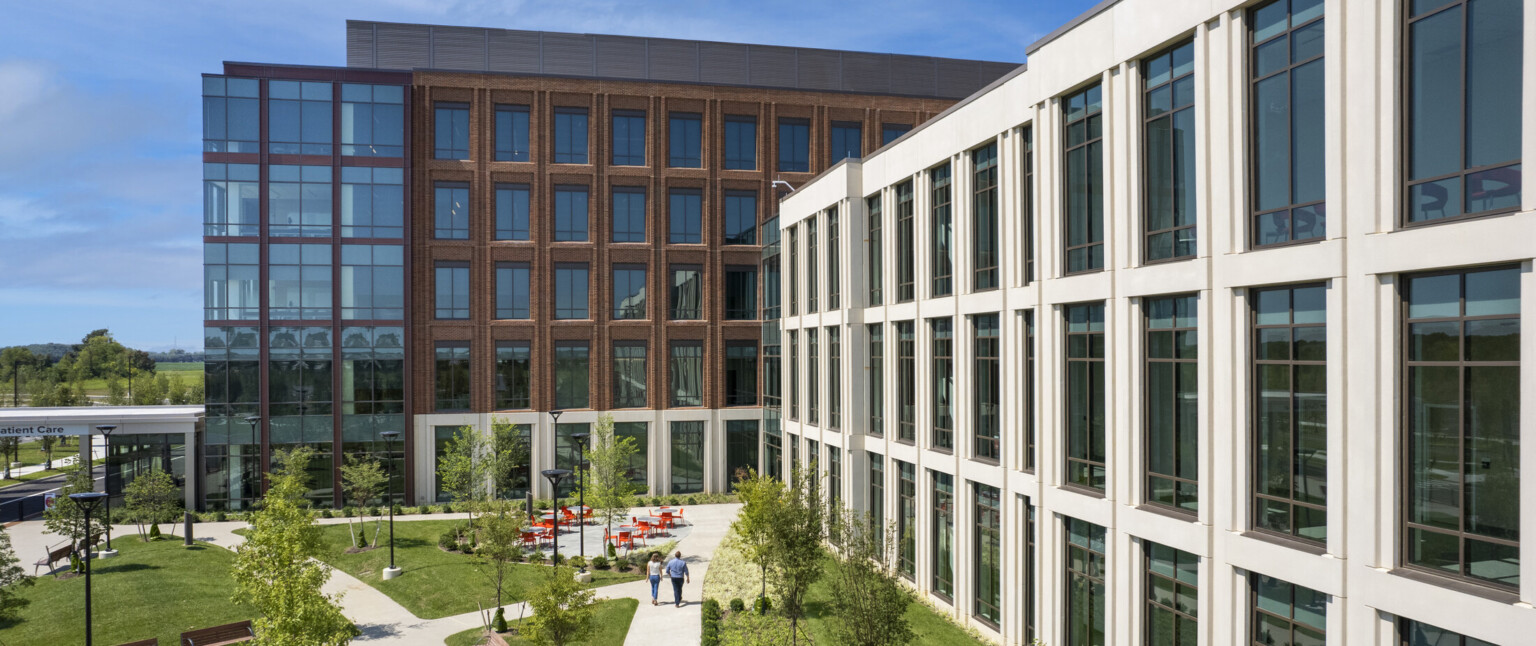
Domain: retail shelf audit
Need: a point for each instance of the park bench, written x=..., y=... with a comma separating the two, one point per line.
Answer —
x=226, y=634
x=493, y=639
x=55, y=555
x=152, y=641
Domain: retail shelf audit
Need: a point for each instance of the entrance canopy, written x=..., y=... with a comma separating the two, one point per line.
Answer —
x=146, y=437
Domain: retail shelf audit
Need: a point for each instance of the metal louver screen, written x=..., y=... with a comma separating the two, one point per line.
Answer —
x=568, y=55
x=675, y=60
x=724, y=63
x=458, y=48
x=360, y=45
x=620, y=57
x=403, y=46
x=772, y=66
x=516, y=52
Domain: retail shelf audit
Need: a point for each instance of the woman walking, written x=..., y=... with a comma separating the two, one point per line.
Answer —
x=655, y=573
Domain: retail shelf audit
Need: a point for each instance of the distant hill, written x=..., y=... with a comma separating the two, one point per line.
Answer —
x=54, y=351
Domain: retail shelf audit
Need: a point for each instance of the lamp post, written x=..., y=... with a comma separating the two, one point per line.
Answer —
x=87, y=503
x=106, y=432
x=389, y=498
x=554, y=426
x=555, y=476
x=581, y=489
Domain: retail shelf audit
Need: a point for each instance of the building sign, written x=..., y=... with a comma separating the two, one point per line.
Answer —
x=32, y=430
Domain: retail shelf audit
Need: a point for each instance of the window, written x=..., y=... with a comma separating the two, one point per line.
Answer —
x=450, y=205
x=943, y=562
x=1290, y=390
x=772, y=374
x=877, y=497
x=794, y=146
x=875, y=380
x=834, y=483
x=1027, y=209
x=1284, y=613
x=1085, y=395
x=987, y=566
x=987, y=385
x=628, y=214
x=1462, y=397
x=1416, y=633
x=640, y=433
x=299, y=387
x=1173, y=597
x=450, y=123
x=812, y=264
x=1168, y=153
x=687, y=292
x=299, y=281
x=512, y=212
x=1031, y=575
x=372, y=120
x=231, y=115
x=943, y=249
x=906, y=382
x=874, y=271
x=684, y=148
x=628, y=292
x=452, y=290
x=232, y=281
x=372, y=202
x=687, y=457
x=741, y=442
x=741, y=217
x=687, y=374
x=299, y=117
x=906, y=523
x=1287, y=127
x=573, y=375
x=834, y=378
x=232, y=200
x=906, y=263
x=513, y=290
x=741, y=374
x=1027, y=411
x=794, y=270
x=984, y=218
x=890, y=132
x=847, y=141
x=772, y=272
x=1084, y=181
x=685, y=219
x=570, y=135
x=1086, y=607
x=452, y=375
x=943, y=349
x=571, y=296
x=514, y=374
x=512, y=143
x=299, y=201
x=1172, y=404
x=629, y=377
x=571, y=214
x=372, y=388
x=740, y=142
x=794, y=374
x=372, y=282
x=628, y=138
x=740, y=293
x=834, y=265
x=1462, y=107
x=812, y=375
x=567, y=454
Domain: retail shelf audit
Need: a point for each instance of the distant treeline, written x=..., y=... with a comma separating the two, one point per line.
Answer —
x=56, y=351
x=36, y=376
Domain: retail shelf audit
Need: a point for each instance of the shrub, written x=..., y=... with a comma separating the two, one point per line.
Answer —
x=622, y=565
x=346, y=511
x=154, y=532
x=499, y=624
x=398, y=510
x=655, y=501
x=600, y=562
x=449, y=540
x=691, y=500
x=762, y=605
x=373, y=511
x=711, y=620
x=465, y=548
x=424, y=509
x=74, y=562
x=556, y=558
x=578, y=562
x=737, y=605
x=218, y=517
x=613, y=552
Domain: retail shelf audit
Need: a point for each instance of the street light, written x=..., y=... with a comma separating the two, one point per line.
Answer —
x=555, y=476
x=106, y=431
x=389, y=498
x=581, y=507
x=87, y=503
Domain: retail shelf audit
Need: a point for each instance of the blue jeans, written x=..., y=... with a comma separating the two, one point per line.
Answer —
x=677, y=589
x=655, y=583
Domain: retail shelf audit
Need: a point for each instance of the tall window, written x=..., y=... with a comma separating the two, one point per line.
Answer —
x=570, y=135
x=513, y=290
x=906, y=382
x=232, y=201
x=794, y=374
x=684, y=145
x=987, y=563
x=299, y=117
x=450, y=202
x=987, y=387
x=571, y=295
x=834, y=269
x=687, y=374
x=741, y=374
x=628, y=292
x=372, y=120
x=452, y=290
x=452, y=375
x=875, y=380
x=741, y=441
x=773, y=270
x=984, y=213
x=1284, y=613
x=573, y=375
x=687, y=457
x=874, y=272
x=628, y=213
x=847, y=141
x=1290, y=390
x=1287, y=122
x=512, y=143
x=1027, y=210
x=640, y=433
x=232, y=280
x=834, y=481
x=943, y=562
x=906, y=262
x=299, y=281
x=740, y=142
x=570, y=214
x=812, y=375
x=685, y=219
x=231, y=115
x=906, y=523
x=514, y=370
x=834, y=377
x=943, y=249
x=740, y=293
x=628, y=137
x=1463, y=423
x=773, y=375
x=1463, y=107
x=1173, y=401
x=450, y=122
x=877, y=496
x=1416, y=633
x=686, y=288
x=943, y=349
x=1086, y=604
x=1173, y=596
x=512, y=212
x=890, y=132
x=794, y=146
x=812, y=263
x=794, y=270
x=1027, y=410
x=1085, y=395
x=1031, y=579
x=1168, y=153
x=741, y=217
x=1084, y=181
x=299, y=201
x=629, y=377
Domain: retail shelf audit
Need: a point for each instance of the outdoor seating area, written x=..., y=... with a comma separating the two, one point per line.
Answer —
x=636, y=533
x=60, y=554
x=234, y=633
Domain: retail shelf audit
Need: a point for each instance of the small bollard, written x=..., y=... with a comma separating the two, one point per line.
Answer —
x=186, y=539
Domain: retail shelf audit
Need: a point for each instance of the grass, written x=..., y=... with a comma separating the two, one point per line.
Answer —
x=613, y=618
x=436, y=583
x=157, y=589
x=190, y=372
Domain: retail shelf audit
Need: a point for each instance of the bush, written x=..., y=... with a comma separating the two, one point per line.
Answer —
x=74, y=562
x=655, y=501
x=346, y=511
x=154, y=532
x=373, y=511
x=762, y=605
x=622, y=565
x=218, y=517
x=541, y=504
x=711, y=627
x=465, y=548
x=449, y=540
x=600, y=562
x=424, y=509
x=499, y=624
x=578, y=562
x=691, y=500
x=613, y=552
x=556, y=558
x=737, y=605
x=399, y=510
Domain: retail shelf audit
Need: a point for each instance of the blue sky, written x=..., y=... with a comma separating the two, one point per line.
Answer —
x=100, y=184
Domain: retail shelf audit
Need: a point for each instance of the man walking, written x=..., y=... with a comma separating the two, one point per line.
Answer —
x=677, y=568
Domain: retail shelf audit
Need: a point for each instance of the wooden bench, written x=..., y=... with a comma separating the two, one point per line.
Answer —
x=227, y=634
x=55, y=555
x=152, y=641
x=493, y=639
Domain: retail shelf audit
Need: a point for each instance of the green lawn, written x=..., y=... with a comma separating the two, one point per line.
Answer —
x=189, y=372
x=154, y=589
x=928, y=626
x=613, y=618
x=435, y=583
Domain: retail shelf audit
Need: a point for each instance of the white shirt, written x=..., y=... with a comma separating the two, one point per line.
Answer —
x=655, y=568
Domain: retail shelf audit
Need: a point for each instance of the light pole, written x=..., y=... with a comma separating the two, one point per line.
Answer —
x=87, y=503
x=389, y=498
x=581, y=489
x=555, y=476
x=106, y=432
x=554, y=426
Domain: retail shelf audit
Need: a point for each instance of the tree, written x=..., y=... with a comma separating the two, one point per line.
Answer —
x=48, y=442
x=501, y=540
x=275, y=571
x=461, y=466
x=67, y=518
x=12, y=578
x=508, y=457
x=608, y=487
x=12, y=361
x=762, y=500
x=9, y=447
x=152, y=498
x=362, y=479
x=562, y=609
x=797, y=554
x=868, y=604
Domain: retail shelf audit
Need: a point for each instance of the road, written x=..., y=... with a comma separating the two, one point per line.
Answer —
x=30, y=495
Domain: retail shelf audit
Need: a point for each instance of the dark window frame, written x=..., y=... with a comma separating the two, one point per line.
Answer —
x=506, y=394
x=1182, y=327
x=986, y=384
x=1090, y=245
x=1296, y=462
x=875, y=333
x=565, y=152
x=513, y=311
x=1150, y=121
x=629, y=158
x=873, y=254
x=511, y=153
x=941, y=220
x=691, y=154
x=1313, y=208
x=738, y=162
x=456, y=268
x=631, y=312
x=906, y=250
x=1092, y=470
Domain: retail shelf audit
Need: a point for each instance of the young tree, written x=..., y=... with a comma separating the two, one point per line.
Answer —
x=48, y=451
x=562, y=609
x=762, y=500
x=275, y=571
x=798, y=555
x=12, y=578
x=508, y=456
x=461, y=466
x=609, y=489
x=362, y=479
x=9, y=447
x=66, y=518
x=869, y=605
x=152, y=498
x=501, y=531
